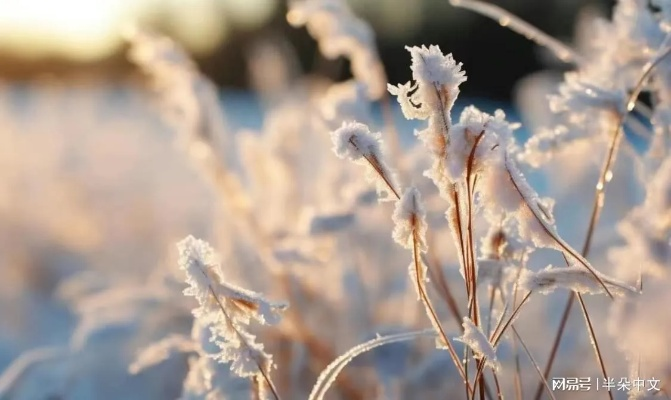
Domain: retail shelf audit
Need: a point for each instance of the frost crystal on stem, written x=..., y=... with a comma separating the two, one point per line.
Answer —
x=355, y=142
x=436, y=84
x=476, y=340
x=573, y=278
x=410, y=220
x=227, y=310
x=410, y=232
x=431, y=96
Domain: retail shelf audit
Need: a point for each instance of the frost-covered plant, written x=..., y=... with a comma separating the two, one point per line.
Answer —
x=473, y=167
x=436, y=86
x=355, y=142
x=476, y=340
x=625, y=56
x=302, y=231
x=225, y=311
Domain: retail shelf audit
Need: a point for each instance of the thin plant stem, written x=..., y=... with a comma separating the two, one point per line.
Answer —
x=592, y=334
x=437, y=275
x=595, y=344
x=499, y=392
x=323, y=354
x=480, y=365
x=535, y=364
x=498, y=333
x=555, y=344
x=460, y=231
x=520, y=26
x=519, y=391
x=470, y=188
x=430, y=311
x=471, y=276
x=565, y=247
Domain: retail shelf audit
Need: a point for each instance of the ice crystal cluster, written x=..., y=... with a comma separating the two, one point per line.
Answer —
x=222, y=318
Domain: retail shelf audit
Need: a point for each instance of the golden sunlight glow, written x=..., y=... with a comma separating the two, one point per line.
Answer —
x=87, y=30
x=80, y=29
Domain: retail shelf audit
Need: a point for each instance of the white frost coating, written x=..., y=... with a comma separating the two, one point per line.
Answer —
x=431, y=95
x=200, y=263
x=245, y=355
x=226, y=309
x=478, y=342
x=341, y=33
x=329, y=375
x=534, y=216
x=201, y=266
x=410, y=220
x=355, y=142
x=431, y=66
x=574, y=278
x=494, y=133
x=436, y=83
x=409, y=231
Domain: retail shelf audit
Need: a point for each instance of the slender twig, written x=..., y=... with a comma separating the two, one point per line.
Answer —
x=592, y=334
x=438, y=276
x=256, y=389
x=520, y=26
x=499, y=392
x=498, y=333
x=472, y=276
x=470, y=188
x=15, y=372
x=480, y=365
x=544, y=381
x=376, y=166
x=460, y=231
x=563, y=245
x=555, y=344
x=519, y=391
x=595, y=343
x=430, y=311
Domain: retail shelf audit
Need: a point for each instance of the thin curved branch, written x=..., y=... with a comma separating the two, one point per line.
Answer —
x=329, y=375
